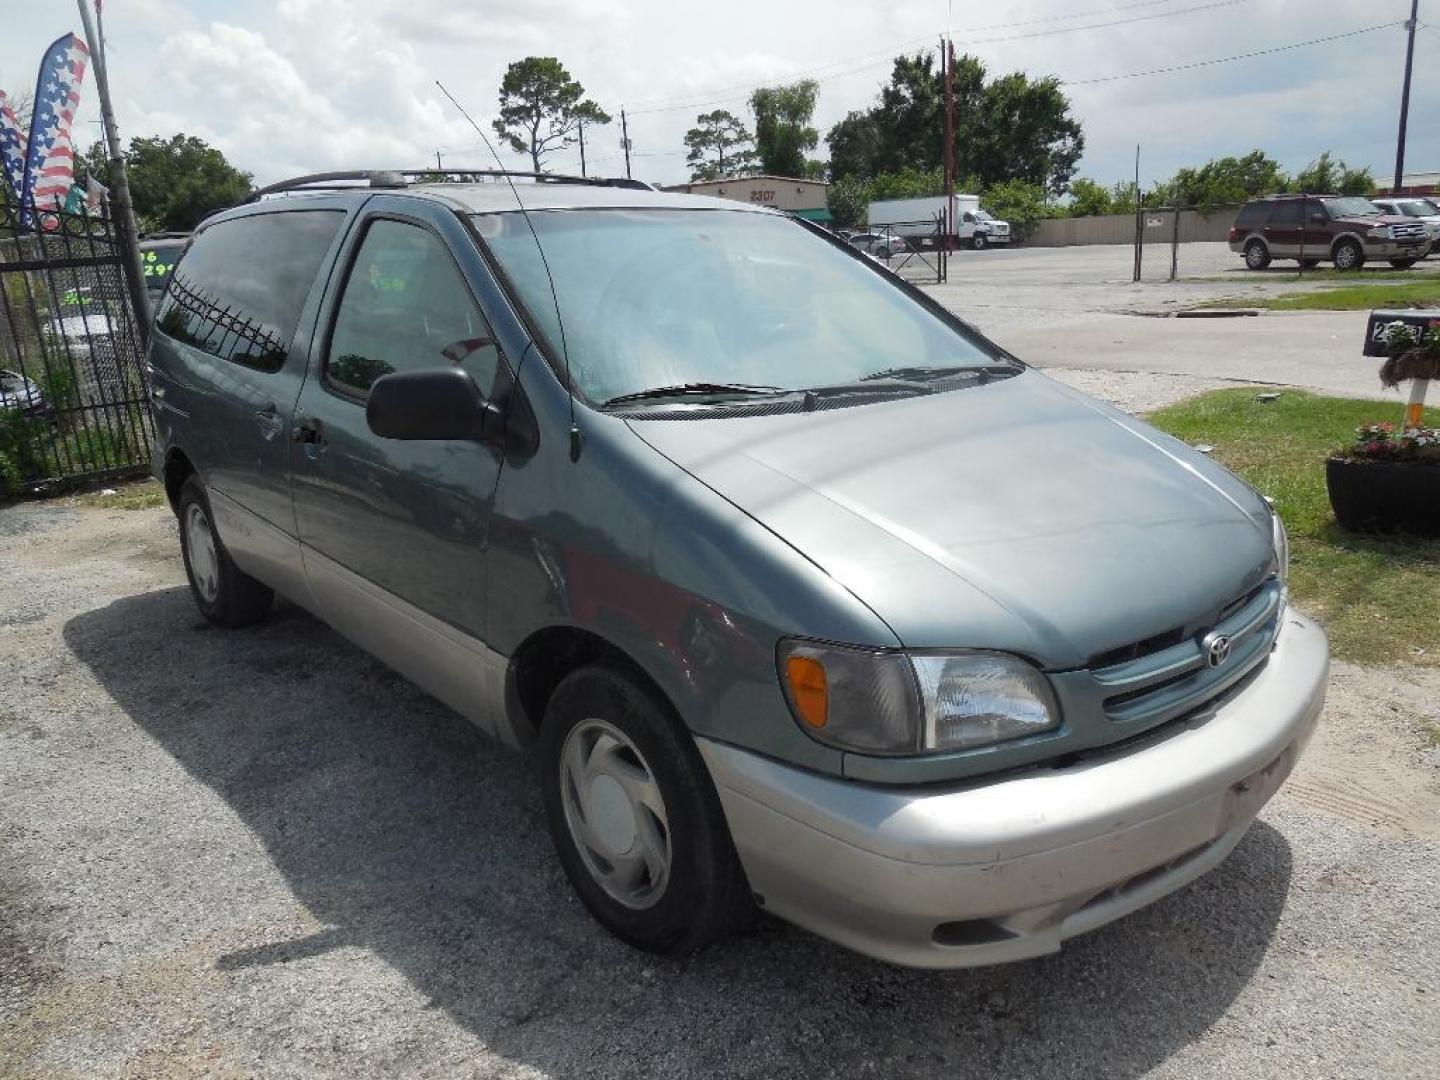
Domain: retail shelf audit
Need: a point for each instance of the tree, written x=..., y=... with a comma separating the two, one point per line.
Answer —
x=1019, y=202
x=911, y=114
x=722, y=134
x=1022, y=130
x=783, y=135
x=541, y=107
x=1328, y=176
x=1227, y=181
x=1089, y=199
x=854, y=146
x=848, y=200
x=175, y=183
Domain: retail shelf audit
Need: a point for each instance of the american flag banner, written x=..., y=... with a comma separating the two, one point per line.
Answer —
x=12, y=146
x=50, y=157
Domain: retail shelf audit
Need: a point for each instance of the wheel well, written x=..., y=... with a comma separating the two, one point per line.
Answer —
x=543, y=660
x=1348, y=238
x=177, y=470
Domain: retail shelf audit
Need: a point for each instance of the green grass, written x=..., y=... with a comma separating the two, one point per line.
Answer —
x=1364, y=297
x=127, y=495
x=1378, y=596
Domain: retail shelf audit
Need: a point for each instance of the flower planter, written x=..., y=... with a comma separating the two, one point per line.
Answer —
x=1378, y=496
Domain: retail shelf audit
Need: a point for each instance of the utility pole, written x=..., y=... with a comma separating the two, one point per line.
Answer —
x=1139, y=218
x=122, y=208
x=947, y=71
x=1405, y=96
x=438, y=167
x=581, y=125
x=625, y=142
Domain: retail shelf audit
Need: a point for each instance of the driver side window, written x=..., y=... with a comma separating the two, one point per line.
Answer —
x=406, y=307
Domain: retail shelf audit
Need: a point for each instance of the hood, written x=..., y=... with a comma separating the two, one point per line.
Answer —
x=1019, y=515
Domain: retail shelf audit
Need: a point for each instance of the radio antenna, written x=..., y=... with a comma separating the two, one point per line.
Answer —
x=575, y=437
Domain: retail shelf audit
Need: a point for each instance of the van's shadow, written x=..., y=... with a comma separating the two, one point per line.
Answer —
x=408, y=834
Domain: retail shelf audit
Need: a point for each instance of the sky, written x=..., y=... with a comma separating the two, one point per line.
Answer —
x=286, y=87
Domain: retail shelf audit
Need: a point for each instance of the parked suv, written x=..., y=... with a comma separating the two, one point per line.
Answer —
x=1346, y=230
x=803, y=593
x=1412, y=206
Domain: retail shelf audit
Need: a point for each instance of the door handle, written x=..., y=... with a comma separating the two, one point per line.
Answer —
x=308, y=431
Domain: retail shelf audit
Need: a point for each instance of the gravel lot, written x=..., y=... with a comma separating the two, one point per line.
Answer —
x=259, y=852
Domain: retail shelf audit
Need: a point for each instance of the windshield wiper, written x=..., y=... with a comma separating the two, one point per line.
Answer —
x=924, y=374
x=707, y=389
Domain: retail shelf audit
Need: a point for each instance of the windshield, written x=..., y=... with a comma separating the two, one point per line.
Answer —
x=982, y=215
x=661, y=298
x=1352, y=207
x=1417, y=208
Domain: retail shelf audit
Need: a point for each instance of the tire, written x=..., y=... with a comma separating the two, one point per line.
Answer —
x=1257, y=255
x=1348, y=255
x=979, y=242
x=882, y=253
x=634, y=817
x=225, y=594
x=1403, y=264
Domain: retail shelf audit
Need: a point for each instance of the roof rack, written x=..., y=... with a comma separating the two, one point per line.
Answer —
x=399, y=178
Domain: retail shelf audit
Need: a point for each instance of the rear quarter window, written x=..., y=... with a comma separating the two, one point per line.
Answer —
x=1252, y=215
x=239, y=290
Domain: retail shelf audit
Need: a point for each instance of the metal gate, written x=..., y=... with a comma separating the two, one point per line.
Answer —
x=914, y=250
x=72, y=385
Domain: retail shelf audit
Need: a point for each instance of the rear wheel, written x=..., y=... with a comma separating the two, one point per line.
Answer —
x=1257, y=255
x=634, y=816
x=1349, y=255
x=225, y=594
x=1403, y=264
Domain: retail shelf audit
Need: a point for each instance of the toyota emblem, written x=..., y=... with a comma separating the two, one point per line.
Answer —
x=1217, y=649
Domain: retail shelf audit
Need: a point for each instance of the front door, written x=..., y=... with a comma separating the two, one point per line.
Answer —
x=394, y=532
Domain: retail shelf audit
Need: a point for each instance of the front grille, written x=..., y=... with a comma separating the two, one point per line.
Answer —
x=1156, y=685
x=1414, y=231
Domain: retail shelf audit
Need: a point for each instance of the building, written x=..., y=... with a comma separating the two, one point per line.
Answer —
x=1422, y=183
x=803, y=198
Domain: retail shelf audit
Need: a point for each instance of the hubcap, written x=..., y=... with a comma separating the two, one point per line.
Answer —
x=1345, y=257
x=615, y=813
x=204, y=563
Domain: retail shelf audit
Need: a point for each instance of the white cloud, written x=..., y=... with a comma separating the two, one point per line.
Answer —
x=289, y=86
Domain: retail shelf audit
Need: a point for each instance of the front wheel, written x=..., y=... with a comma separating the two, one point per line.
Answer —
x=979, y=242
x=1349, y=255
x=634, y=816
x=1403, y=264
x=225, y=594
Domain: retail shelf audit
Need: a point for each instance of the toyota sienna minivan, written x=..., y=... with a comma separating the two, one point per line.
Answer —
x=803, y=594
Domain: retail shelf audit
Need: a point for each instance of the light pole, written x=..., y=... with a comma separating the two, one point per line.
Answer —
x=1405, y=96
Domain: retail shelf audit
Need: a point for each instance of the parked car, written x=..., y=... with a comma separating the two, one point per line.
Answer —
x=1424, y=210
x=1346, y=230
x=159, y=253
x=20, y=394
x=710, y=516
x=881, y=245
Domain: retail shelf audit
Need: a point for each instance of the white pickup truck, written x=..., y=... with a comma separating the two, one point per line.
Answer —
x=919, y=220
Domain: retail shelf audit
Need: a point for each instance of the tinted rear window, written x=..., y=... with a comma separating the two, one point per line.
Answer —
x=157, y=260
x=1253, y=214
x=239, y=291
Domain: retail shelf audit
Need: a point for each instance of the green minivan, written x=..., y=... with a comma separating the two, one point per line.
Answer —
x=803, y=594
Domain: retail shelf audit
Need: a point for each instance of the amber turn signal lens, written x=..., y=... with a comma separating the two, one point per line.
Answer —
x=808, y=689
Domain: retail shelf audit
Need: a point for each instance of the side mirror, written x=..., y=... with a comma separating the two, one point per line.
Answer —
x=439, y=403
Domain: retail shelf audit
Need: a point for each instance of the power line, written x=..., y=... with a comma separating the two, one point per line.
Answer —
x=823, y=72
x=1230, y=59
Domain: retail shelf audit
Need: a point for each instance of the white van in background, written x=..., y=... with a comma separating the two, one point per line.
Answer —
x=918, y=220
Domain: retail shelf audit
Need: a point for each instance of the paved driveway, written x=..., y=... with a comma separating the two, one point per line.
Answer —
x=1077, y=309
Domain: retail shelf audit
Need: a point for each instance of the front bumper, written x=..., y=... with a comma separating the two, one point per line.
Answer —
x=985, y=872
x=1397, y=249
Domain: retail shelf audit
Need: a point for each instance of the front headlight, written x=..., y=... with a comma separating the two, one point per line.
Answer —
x=886, y=702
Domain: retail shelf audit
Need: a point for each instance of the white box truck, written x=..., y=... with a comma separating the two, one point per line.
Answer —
x=918, y=220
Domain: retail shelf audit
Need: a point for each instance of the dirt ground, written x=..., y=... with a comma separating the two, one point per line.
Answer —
x=261, y=853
